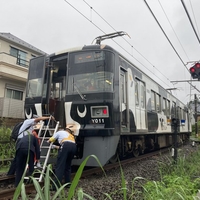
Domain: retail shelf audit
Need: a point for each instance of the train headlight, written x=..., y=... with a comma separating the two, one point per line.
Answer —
x=99, y=111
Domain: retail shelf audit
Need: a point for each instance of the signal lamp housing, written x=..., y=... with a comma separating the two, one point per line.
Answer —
x=195, y=71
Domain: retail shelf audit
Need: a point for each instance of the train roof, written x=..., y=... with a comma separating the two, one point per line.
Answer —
x=85, y=47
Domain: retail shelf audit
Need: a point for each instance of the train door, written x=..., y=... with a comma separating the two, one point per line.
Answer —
x=140, y=105
x=57, y=96
x=124, y=108
x=57, y=87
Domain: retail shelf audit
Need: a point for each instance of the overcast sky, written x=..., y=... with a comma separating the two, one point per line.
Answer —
x=54, y=25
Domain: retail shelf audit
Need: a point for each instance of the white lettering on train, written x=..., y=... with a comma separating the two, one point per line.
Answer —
x=97, y=121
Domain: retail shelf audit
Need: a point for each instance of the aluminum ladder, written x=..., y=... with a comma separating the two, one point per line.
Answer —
x=45, y=147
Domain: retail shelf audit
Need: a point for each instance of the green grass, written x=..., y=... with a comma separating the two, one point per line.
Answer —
x=3, y=169
x=178, y=181
x=43, y=193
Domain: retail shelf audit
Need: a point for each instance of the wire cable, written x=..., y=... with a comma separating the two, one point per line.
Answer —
x=190, y=20
x=115, y=42
x=126, y=41
x=165, y=34
x=194, y=17
x=173, y=29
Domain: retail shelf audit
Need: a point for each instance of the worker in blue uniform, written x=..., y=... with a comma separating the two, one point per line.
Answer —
x=28, y=126
x=26, y=148
x=66, y=153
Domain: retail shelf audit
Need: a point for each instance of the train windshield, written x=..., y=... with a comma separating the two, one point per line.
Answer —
x=90, y=72
x=35, y=84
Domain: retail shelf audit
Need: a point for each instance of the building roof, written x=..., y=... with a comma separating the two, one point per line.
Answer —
x=12, y=38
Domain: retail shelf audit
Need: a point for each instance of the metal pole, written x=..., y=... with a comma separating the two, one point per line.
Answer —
x=175, y=140
x=174, y=125
x=195, y=114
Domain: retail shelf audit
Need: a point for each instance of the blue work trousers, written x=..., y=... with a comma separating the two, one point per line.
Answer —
x=64, y=159
x=21, y=158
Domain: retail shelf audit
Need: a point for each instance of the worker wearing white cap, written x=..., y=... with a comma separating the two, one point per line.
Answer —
x=66, y=152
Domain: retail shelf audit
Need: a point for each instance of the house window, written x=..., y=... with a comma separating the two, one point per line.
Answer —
x=20, y=55
x=14, y=94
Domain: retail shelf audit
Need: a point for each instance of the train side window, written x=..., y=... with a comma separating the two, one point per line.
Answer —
x=184, y=114
x=158, y=108
x=123, y=87
x=142, y=96
x=164, y=106
x=153, y=102
x=173, y=109
x=179, y=113
x=168, y=108
x=136, y=93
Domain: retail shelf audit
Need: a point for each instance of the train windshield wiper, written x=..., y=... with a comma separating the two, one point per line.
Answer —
x=79, y=92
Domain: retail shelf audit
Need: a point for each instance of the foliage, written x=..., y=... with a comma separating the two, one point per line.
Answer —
x=171, y=187
x=194, y=128
x=7, y=150
x=43, y=193
x=5, y=133
x=7, y=147
x=178, y=181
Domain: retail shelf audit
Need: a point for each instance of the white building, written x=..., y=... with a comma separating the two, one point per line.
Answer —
x=14, y=61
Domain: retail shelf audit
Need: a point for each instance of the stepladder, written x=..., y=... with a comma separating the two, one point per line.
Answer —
x=44, y=133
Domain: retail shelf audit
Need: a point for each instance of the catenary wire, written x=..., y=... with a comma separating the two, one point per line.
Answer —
x=173, y=29
x=125, y=40
x=174, y=33
x=137, y=50
x=194, y=16
x=169, y=42
x=165, y=34
x=115, y=41
x=190, y=20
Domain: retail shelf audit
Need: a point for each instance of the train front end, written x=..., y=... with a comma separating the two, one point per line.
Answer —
x=77, y=87
x=90, y=104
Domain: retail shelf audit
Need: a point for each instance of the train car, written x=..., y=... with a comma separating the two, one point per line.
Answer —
x=117, y=109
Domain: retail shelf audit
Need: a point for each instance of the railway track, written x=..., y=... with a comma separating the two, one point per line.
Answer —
x=8, y=193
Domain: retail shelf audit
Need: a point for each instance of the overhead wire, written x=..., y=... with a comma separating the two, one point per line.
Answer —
x=173, y=29
x=190, y=20
x=169, y=41
x=127, y=41
x=191, y=23
x=114, y=40
x=194, y=16
x=131, y=46
x=165, y=34
x=84, y=16
x=174, y=34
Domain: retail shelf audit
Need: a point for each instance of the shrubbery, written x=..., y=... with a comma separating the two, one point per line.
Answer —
x=7, y=147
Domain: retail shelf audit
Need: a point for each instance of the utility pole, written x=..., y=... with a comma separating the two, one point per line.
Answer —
x=195, y=115
x=175, y=123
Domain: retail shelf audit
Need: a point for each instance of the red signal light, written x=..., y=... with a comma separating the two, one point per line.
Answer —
x=192, y=70
x=197, y=65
